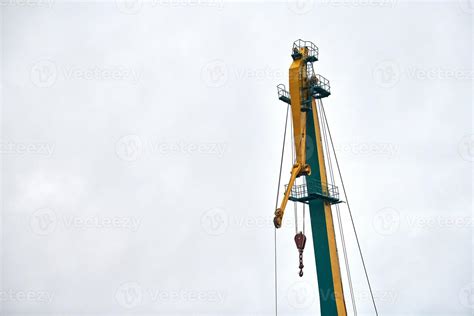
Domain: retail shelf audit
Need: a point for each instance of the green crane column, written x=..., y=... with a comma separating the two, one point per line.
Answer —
x=324, y=240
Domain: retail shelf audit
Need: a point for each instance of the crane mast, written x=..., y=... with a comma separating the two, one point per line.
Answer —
x=305, y=88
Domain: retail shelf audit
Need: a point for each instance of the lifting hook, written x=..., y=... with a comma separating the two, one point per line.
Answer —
x=300, y=240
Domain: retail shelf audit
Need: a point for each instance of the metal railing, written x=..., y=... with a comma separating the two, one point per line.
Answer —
x=322, y=83
x=283, y=94
x=319, y=86
x=313, y=50
x=318, y=190
x=310, y=71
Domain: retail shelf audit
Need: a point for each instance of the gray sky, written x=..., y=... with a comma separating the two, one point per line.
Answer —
x=140, y=148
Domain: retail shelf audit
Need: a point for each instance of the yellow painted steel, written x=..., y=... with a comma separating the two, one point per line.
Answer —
x=335, y=268
x=297, y=78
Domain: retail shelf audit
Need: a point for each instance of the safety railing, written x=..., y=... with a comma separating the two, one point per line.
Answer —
x=319, y=86
x=283, y=94
x=310, y=71
x=312, y=50
x=318, y=189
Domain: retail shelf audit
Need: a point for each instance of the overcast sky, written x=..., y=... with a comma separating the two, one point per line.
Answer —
x=140, y=148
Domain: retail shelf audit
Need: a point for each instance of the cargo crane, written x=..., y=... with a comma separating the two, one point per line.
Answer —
x=312, y=167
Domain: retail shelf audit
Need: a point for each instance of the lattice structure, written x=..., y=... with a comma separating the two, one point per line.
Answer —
x=312, y=49
x=283, y=94
x=319, y=190
x=318, y=85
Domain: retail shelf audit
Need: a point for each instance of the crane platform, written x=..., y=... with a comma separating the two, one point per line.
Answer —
x=319, y=190
x=283, y=94
x=311, y=54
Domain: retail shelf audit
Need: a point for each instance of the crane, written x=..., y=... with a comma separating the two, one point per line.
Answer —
x=304, y=98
